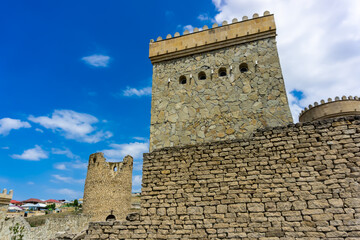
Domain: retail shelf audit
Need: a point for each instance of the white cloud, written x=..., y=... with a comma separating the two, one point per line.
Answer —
x=5, y=148
x=78, y=165
x=67, y=179
x=203, y=17
x=8, y=124
x=140, y=139
x=136, y=180
x=137, y=92
x=60, y=166
x=30, y=183
x=39, y=130
x=318, y=43
x=190, y=28
x=71, y=165
x=32, y=154
x=67, y=192
x=138, y=165
x=73, y=125
x=65, y=152
x=119, y=151
x=97, y=60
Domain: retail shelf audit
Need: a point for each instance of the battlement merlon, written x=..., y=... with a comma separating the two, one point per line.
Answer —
x=5, y=197
x=217, y=37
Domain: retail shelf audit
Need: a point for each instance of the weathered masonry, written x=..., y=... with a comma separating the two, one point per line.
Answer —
x=295, y=182
x=5, y=199
x=217, y=84
x=107, y=193
x=225, y=160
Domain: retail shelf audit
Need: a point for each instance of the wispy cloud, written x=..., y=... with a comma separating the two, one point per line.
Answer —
x=71, y=165
x=136, y=180
x=190, y=28
x=59, y=178
x=30, y=183
x=8, y=124
x=73, y=125
x=60, y=166
x=5, y=148
x=97, y=60
x=137, y=92
x=39, y=130
x=141, y=139
x=203, y=17
x=32, y=154
x=118, y=151
x=65, y=152
x=321, y=55
x=66, y=192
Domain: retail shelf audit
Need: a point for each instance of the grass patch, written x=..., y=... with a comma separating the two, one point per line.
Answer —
x=36, y=221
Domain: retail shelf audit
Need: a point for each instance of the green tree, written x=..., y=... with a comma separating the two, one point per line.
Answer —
x=51, y=206
x=76, y=203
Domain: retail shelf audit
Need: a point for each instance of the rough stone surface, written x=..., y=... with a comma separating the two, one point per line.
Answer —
x=71, y=225
x=295, y=182
x=107, y=188
x=219, y=107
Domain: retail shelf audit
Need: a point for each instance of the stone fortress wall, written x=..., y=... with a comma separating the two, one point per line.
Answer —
x=217, y=84
x=224, y=162
x=107, y=188
x=301, y=181
x=347, y=106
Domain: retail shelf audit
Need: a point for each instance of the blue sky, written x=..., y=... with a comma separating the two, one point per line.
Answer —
x=76, y=79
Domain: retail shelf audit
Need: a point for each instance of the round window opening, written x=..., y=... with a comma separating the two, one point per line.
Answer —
x=222, y=72
x=202, y=76
x=243, y=67
x=182, y=80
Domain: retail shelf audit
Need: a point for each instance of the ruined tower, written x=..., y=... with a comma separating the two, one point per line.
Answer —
x=5, y=199
x=217, y=84
x=107, y=192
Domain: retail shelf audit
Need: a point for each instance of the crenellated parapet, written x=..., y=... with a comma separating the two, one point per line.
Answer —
x=205, y=38
x=5, y=196
x=346, y=106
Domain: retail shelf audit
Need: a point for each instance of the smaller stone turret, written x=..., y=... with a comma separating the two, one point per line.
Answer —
x=5, y=199
x=346, y=106
x=107, y=192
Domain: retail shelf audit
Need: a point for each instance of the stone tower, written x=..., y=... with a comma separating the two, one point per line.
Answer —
x=5, y=199
x=346, y=106
x=107, y=190
x=217, y=84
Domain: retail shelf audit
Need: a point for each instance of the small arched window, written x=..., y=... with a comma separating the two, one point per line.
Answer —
x=243, y=67
x=202, y=76
x=115, y=169
x=222, y=72
x=94, y=160
x=110, y=218
x=182, y=80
